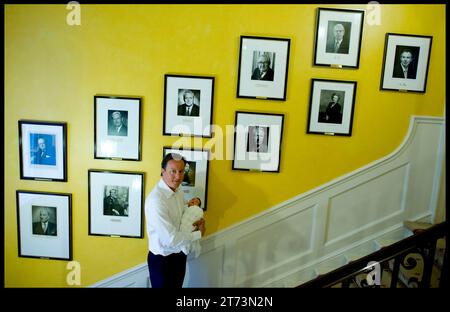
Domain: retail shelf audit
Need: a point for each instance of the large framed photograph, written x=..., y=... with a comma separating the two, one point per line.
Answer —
x=257, y=141
x=116, y=203
x=195, y=181
x=44, y=225
x=338, y=37
x=331, y=107
x=263, y=68
x=43, y=150
x=117, y=128
x=188, y=105
x=406, y=60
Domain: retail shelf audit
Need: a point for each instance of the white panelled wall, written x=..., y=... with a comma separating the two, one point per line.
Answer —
x=324, y=228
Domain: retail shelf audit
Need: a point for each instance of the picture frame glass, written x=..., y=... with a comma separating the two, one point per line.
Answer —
x=338, y=37
x=258, y=141
x=188, y=105
x=44, y=225
x=195, y=181
x=115, y=203
x=43, y=154
x=263, y=68
x=406, y=60
x=331, y=107
x=117, y=128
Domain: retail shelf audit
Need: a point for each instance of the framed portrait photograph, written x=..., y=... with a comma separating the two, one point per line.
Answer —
x=117, y=128
x=338, y=37
x=188, y=105
x=263, y=68
x=257, y=141
x=406, y=60
x=331, y=107
x=43, y=150
x=44, y=225
x=116, y=203
x=195, y=181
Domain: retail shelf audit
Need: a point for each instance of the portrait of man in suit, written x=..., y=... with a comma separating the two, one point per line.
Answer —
x=338, y=37
x=263, y=66
x=115, y=202
x=405, y=63
x=258, y=137
x=187, y=105
x=117, y=123
x=45, y=223
x=42, y=149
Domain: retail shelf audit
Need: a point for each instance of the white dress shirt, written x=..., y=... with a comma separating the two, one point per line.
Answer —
x=163, y=211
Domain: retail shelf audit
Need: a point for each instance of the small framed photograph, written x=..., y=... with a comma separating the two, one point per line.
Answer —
x=116, y=203
x=331, y=107
x=195, y=181
x=188, y=105
x=406, y=60
x=43, y=150
x=44, y=225
x=263, y=68
x=117, y=128
x=257, y=141
x=338, y=37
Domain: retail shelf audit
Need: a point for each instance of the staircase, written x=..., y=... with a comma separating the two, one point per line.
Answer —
x=409, y=258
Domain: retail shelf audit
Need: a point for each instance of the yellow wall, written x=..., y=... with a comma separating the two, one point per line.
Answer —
x=53, y=71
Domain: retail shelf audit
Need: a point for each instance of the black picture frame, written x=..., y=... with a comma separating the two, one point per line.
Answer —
x=331, y=107
x=405, y=62
x=117, y=127
x=198, y=91
x=52, y=240
x=261, y=151
x=43, y=150
x=195, y=182
x=338, y=37
x=118, y=213
x=263, y=68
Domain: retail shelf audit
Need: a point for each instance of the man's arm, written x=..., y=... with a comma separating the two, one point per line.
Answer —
x=169, y=233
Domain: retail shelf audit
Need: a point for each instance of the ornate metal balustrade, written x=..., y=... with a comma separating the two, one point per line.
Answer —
x=412, y=262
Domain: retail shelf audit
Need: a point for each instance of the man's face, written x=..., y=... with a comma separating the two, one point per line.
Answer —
x=43, y=215
x=113, y=193
x=263, y=64
x=173, y=174
x=335, y=98
x=405, y=58
x=117, y=120
x=189, y=99
x=339, y=32
x=41, y=144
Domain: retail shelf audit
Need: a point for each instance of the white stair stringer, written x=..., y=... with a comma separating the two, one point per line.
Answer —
x=291, y=242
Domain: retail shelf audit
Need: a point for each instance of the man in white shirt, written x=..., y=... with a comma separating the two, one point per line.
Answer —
x=164, y=208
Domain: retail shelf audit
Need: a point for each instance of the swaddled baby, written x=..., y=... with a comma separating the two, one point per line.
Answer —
x=191, y=214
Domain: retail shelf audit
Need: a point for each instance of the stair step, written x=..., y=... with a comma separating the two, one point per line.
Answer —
x=330, y=264
x=393, y=237
x=361, y=251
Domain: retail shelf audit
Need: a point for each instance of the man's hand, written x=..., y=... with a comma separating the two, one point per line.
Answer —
x=200, y=225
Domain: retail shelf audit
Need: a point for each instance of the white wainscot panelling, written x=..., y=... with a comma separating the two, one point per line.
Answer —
x=326, y=227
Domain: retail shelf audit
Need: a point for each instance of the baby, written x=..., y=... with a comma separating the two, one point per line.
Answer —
x=191, y=214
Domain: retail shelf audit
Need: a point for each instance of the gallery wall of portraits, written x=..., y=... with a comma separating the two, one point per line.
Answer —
x=295, y=97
